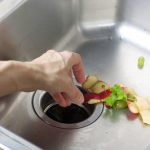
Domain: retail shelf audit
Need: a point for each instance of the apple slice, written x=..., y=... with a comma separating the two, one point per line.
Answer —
x=89, y=96
x=142, y=103
x=131, y=116
x=128, y=90
x=133, y=107
x=121, y=85
x=99, y=87
x=89, y=82
x=145, y=114
x=131, y=91
x=93, y=101
x=104, y=94
x=100, y=96
x=143, y=106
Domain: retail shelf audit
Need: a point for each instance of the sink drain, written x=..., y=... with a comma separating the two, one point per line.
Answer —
x=70, y=114
x=73, y=116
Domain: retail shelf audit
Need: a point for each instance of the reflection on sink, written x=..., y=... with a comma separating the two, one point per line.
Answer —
x=7, y=7
x=109, y=36
x=9, y=141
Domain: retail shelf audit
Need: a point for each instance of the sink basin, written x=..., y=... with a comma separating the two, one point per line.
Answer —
x=110, y=35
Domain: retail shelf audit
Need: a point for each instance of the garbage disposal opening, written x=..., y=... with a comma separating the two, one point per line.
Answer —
x=71, y=117
x=71, y=114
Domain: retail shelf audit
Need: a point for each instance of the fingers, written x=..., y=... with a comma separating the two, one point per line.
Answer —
x=68, y=101
x=74, y=94
x=67, y=92
x=76, y=63
x=62, y=99
x=78, y=68
x=70, y=94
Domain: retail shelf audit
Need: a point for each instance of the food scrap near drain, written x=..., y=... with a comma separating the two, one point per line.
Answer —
x=116, y=97
x=141, y=61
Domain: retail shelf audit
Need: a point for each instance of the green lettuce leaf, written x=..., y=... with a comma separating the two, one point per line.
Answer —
x=117, y=95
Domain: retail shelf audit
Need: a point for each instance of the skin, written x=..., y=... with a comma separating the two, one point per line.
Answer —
x=51, y=72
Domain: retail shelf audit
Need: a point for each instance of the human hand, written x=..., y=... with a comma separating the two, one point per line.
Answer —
x=53, y=73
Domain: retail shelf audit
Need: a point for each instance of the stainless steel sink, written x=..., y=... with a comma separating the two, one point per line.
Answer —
x=110, y=35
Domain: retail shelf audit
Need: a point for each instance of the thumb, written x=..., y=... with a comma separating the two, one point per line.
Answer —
x=75, y=95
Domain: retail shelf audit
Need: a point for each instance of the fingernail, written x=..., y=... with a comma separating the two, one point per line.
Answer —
x=81, y=100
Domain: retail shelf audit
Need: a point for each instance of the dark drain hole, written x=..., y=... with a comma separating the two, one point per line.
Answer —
x=70, y=114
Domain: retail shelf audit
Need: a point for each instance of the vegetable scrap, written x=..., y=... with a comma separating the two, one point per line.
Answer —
x=141, y=61
x=116, y=97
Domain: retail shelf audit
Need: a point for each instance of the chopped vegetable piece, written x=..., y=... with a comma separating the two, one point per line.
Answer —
x=143, y=106
x=131, y=94
x=131, y=116
x=142, y=103
x=100, y=96
x=89, y=96
x=93, y=101
x=133, y=107
x=118, y=97
x=99, y=87
x=131, y=98
x=117, y=94
x=141, y=61
x=105, y=94
x=120, y=105
x=145, y=114
x=89, y=82
x=107, y=106
x=131, y=91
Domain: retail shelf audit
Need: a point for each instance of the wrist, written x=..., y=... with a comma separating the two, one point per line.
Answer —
x=22, y=75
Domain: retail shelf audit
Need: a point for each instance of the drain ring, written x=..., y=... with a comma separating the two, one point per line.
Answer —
x=43, y=102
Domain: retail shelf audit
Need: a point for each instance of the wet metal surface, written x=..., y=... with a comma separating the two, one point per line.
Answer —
x=110, y=35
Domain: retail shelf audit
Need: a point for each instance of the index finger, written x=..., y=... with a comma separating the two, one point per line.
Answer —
x=78, y=68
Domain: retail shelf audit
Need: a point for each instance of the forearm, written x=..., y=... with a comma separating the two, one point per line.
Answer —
x=51, y=72
x=15, y=76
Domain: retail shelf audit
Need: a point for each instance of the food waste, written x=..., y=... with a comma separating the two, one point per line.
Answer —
x=116, y=97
